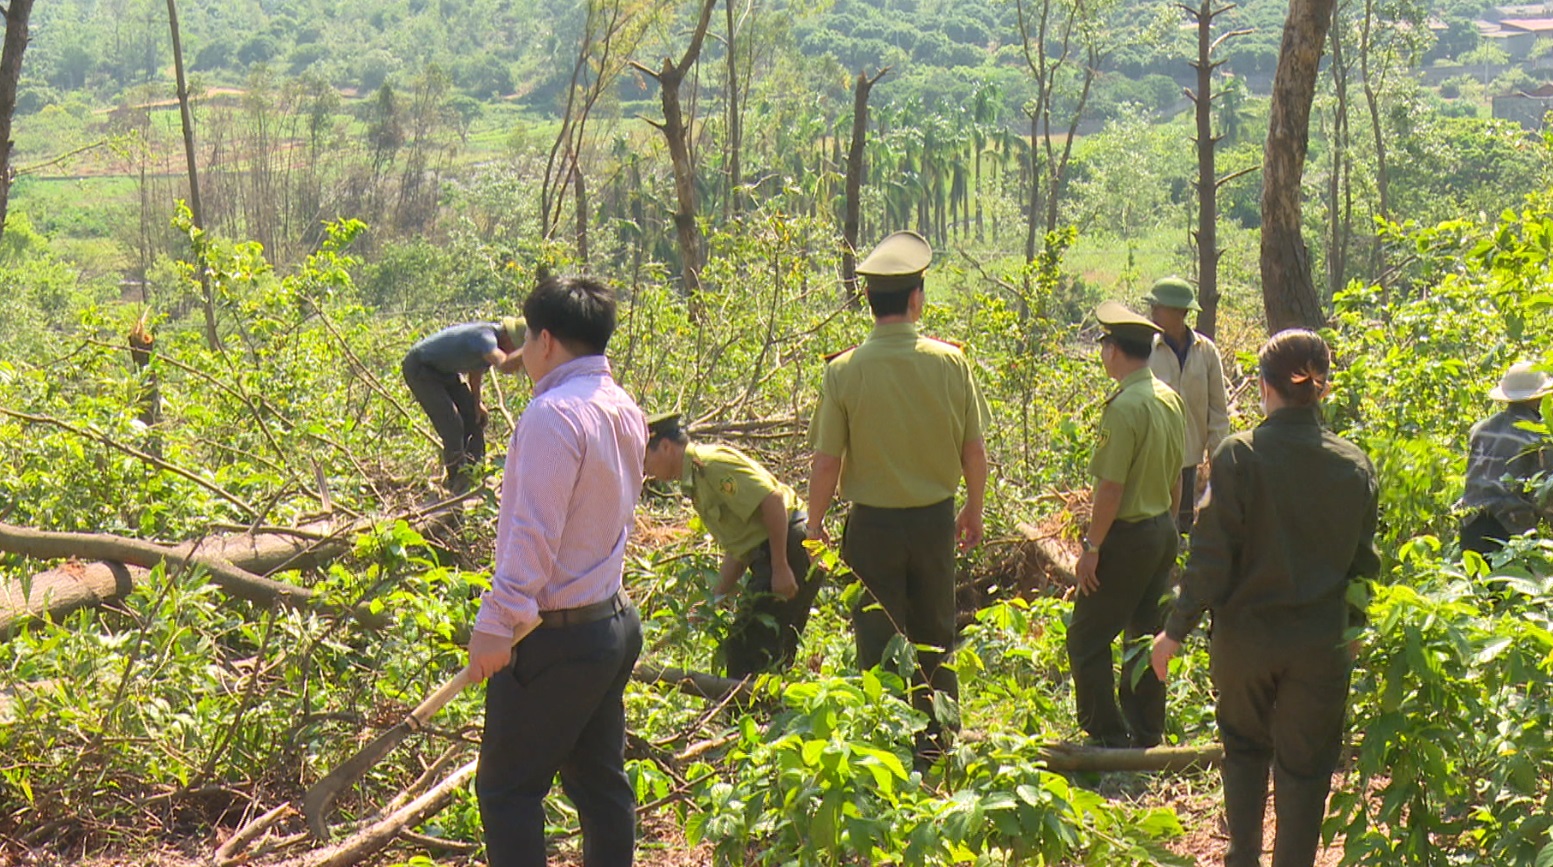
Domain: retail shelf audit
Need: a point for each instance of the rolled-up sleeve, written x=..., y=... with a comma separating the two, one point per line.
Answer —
x=543, y=462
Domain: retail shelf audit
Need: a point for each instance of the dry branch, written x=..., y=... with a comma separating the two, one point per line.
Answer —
x=231, y=852
x=378, y=835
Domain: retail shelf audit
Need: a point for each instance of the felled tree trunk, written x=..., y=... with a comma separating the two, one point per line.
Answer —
x=232, y=564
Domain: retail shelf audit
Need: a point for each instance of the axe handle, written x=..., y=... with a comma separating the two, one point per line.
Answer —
x=436, y=700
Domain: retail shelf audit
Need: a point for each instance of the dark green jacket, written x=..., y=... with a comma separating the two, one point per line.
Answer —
x=1288, y=527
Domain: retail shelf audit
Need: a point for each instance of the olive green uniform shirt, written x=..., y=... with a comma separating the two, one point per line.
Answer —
x=898, y=410
x=1289, y=525
x=1141, y=442
x=726, y=487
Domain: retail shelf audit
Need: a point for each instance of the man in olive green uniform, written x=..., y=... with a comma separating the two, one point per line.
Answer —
x=899, y=422
x=1131, y=543
x=757, y=522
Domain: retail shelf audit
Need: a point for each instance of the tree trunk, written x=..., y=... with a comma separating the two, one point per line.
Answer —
x=142, y=347
x=196, y=207
x=854, y=204
x=71, y=587
x=581, y=188
x=677, y=136
x=16, y=15
x=1288, y=292
x=733, y=205
x=1207, y=235
x=239, y=560
x=1339, y=190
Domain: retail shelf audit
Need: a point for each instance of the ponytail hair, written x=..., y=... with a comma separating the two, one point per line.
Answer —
x=1297, y=363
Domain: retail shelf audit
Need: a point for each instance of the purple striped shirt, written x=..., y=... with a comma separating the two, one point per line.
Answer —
x=573, y=476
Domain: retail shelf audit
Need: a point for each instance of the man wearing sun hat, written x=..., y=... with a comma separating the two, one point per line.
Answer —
x=899, y=423
x=436, y=368
x=1189, y=363
x=759, y=524
x=1503, y=459
x=1130, y=545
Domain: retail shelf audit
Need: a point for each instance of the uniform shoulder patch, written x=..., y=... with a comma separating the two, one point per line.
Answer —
x=729, y=487
x=1105, y=437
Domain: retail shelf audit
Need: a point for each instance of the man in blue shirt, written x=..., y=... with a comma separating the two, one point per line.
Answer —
x=436, y=369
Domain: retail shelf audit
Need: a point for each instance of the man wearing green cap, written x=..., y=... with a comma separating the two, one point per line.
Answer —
x=1130, y=545
x=899, y=422
x=1189, y=363
x=435, y=369
x=757, y=522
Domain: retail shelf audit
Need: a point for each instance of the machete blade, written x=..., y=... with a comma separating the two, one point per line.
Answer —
x=316, y=803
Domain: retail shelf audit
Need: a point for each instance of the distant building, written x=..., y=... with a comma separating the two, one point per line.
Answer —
x=1520, y=35
x=1529, y=109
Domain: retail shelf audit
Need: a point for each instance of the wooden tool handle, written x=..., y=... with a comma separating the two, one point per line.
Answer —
x=436, y=700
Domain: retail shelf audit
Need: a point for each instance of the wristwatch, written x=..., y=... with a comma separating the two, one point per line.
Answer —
x=1090, y=547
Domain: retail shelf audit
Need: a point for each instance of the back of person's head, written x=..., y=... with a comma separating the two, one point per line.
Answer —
x=1134, y=348
x=893, y=300
x=1297, y=364
x=578, y=311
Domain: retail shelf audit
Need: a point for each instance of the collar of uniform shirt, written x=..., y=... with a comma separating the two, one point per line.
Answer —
x=1295, y=415
x=686, y=476
x=890, y=328
x=587, y=365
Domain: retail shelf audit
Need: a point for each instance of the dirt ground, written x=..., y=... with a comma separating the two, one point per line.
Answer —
x=1196, y=801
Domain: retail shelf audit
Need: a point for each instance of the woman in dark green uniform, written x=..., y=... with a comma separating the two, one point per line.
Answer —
x=1289, y=525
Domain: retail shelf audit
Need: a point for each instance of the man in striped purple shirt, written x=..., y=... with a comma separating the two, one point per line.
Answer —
x=556, y=635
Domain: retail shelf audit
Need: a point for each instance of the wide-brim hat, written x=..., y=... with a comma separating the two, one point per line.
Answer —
x=1173, y=292
x=514, y=327
x=1523, y=381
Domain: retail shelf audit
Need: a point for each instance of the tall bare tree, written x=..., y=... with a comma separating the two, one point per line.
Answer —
x=1208, y=182
x=196, y=206
x=849, y=224
x=16, y=14
x=669, y=77
x=609, y=33
x=1051, y=34
x=1288, y=291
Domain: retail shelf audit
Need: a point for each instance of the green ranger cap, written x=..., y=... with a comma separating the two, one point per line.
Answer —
x=1118, y=321
x=664, y=424
x=897, y=263
x=515, y=326
x=1173, y=292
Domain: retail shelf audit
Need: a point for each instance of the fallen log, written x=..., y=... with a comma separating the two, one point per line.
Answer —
x=708, y=686
x=1072, y=758
x=44, y=545
x=103, y=567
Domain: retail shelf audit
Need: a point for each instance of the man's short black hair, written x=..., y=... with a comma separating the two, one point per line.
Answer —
x=892, y=303
x=1137, y=350
x=578, y=311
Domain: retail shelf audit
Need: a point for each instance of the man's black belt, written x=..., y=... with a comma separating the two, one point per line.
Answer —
x=585, y=613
